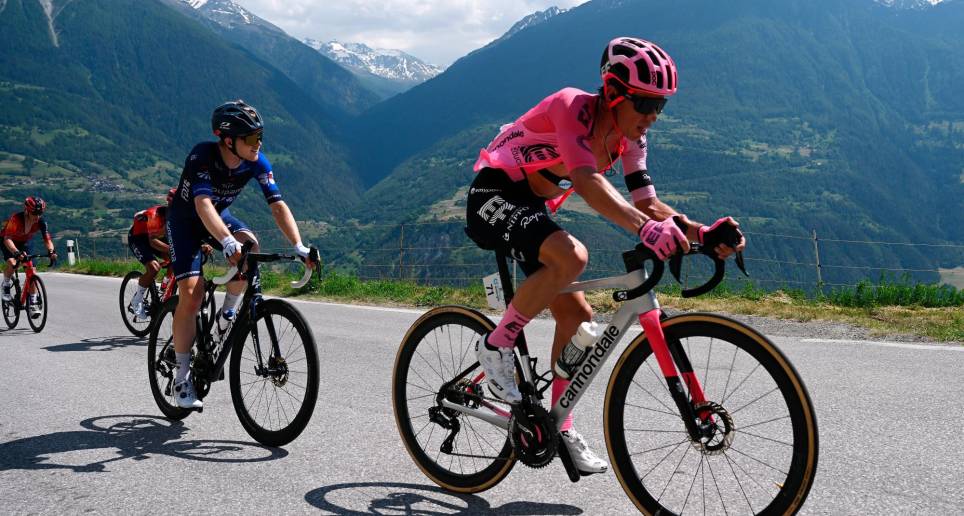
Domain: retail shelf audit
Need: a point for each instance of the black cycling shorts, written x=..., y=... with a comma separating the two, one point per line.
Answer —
x=506, y=215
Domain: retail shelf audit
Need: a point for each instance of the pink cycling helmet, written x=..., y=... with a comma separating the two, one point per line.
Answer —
x=637, y=66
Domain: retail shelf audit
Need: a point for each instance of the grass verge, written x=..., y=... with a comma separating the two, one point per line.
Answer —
x=933, y=311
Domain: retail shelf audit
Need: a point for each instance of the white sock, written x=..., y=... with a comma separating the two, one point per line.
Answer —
x=7, y=282
x=139, y=295
x=183, y=366
x=33, y=298
x=230, y=300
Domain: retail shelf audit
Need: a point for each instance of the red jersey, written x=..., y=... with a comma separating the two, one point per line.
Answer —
x=15, y=229
x=150, y=222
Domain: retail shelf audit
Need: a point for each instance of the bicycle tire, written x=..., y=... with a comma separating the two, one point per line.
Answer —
x=11, y=309
x=799, y=423
x=161, y=364
x=434, y=323
x=140, y=328
x=277, y=312
x=37, y=325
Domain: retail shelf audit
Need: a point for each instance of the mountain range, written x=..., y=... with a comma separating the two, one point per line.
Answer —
x=842, y=116
x=386, y=71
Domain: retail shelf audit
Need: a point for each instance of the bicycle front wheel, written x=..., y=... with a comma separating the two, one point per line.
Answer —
x=758, y=450
x=11, y=309
x=437, y=348
x=274, y=393
x=37, y=310
x=137, y=327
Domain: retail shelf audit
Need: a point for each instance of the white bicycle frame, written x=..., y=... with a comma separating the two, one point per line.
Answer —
x=628, y=312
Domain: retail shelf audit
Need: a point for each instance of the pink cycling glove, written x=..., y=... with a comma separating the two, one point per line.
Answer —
x=662, y=237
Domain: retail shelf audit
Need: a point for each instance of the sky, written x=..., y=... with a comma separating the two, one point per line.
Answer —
x=436, y=31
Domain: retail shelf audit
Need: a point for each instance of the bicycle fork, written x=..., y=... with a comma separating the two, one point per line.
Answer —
x=674, y=363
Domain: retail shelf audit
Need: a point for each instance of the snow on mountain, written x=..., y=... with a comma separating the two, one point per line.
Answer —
x=389, y=64
x=909, y=4
x=228, y=13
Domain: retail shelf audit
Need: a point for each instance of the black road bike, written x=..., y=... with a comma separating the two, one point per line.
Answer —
x=273, y=370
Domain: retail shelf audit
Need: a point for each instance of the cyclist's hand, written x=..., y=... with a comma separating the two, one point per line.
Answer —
x=305, y=254
x=53, y=258
x=724, y=237
x=231, y=249
x=22, y=257
x=207, y=249
x=663, y=237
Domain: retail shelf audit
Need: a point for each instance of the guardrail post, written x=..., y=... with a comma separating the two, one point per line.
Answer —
x=816, y=254
x=401, y=249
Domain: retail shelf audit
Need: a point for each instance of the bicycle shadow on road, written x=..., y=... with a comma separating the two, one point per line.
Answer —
x=367, y=498
x=134, y=437
x=99, y=344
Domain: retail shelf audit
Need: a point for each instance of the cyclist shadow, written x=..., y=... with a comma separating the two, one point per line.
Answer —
x=134, y=437
x=99, y=344
x=366, y=498
x=15, y=331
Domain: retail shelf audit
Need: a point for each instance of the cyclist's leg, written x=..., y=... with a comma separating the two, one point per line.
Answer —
x=140, y=247
x=508, y=215
x=185, y=241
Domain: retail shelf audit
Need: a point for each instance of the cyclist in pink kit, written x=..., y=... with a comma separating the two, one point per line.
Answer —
x=558, y=147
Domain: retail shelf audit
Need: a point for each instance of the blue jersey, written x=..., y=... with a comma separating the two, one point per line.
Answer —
x=206, y=174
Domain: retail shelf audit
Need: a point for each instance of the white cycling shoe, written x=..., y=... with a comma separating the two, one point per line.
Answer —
x=139, y=312
x=586, y=461
x=499, y=367
x=33, y=309
x=185, y=395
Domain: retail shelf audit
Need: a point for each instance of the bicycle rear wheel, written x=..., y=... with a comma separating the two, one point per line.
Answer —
x=161, y=362
x=37, y=322
x=274, y=399
x=139, y=328
x=759, y=452
x=439, y=346
x=11, y=309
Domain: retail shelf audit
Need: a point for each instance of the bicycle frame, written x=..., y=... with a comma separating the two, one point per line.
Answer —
x=673, y=363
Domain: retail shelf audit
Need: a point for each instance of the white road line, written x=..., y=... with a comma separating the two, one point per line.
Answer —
x=887, y=344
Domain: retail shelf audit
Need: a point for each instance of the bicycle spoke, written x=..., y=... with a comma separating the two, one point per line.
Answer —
x=653, y=396
x=784, y=473
x=652, y=409
x=723, y=401
x=717, y=484
x=736, y=477
x=766, y=438
x=758, y=398
x=744, y=427
x=659, y=448
x=661, y=460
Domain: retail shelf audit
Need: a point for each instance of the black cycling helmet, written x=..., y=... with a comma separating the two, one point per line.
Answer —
x=235, y=118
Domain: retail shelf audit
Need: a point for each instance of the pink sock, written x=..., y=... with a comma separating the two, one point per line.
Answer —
x=508, y=329
x=558, y=387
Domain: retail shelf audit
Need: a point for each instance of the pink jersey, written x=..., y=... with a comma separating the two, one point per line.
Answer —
x=557, y=130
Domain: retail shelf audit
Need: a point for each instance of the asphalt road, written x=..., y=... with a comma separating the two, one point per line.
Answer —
x=79, y=430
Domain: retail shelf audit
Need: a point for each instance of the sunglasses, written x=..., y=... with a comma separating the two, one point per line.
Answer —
x=252, y=139
x=647, y=105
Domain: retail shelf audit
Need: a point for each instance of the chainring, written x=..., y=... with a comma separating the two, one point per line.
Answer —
x=534, y=441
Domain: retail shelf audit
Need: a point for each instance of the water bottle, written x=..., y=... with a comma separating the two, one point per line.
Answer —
x=576, y=350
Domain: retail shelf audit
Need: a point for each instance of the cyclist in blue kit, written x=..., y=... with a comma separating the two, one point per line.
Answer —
x=213, y=177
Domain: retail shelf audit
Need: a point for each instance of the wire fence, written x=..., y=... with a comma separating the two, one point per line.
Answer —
x=438, y=252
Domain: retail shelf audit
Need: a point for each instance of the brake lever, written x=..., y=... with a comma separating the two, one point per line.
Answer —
x=741, y=264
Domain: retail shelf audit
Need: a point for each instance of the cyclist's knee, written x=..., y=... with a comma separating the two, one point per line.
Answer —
x=564, y=255
x=247, y=236
x=190, y=294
